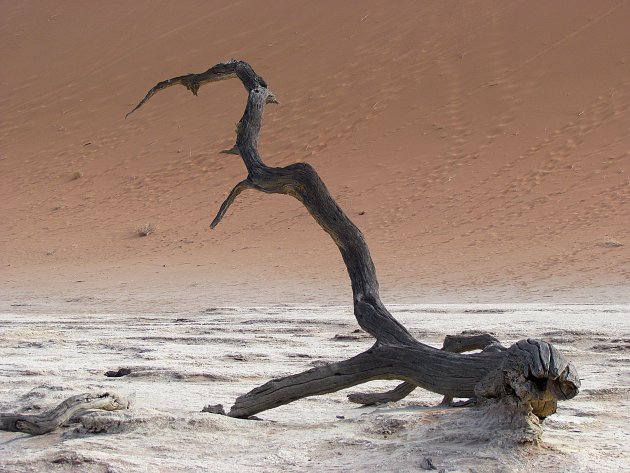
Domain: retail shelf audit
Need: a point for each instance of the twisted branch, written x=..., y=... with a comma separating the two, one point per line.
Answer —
x=38, y=424
x=193, y=82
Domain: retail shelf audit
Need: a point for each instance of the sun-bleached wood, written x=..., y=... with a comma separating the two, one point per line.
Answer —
x=38, y=424
x=531, y=373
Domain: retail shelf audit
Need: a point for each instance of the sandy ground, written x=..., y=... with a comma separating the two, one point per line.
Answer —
x=183, y=360
x=482, y=148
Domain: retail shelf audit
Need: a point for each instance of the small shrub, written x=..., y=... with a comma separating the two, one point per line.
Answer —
x=609, y=242
x=146, y=229
x=76, y=175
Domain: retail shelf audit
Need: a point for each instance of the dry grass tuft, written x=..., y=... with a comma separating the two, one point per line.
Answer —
x=146, y=229
x=77, y=175
x=609, y=242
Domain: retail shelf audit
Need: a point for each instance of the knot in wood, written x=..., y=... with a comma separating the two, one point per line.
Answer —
x=536, y=374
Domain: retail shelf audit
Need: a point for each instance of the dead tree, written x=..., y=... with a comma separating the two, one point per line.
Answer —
x=531, y=374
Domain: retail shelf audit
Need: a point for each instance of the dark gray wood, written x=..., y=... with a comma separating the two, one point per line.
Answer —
x=370, y=399
x=38, y=424
x=530, y=372
x=452, y=343
x=464, y=342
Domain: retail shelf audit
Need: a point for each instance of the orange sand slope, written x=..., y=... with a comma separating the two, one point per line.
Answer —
x=478, y=145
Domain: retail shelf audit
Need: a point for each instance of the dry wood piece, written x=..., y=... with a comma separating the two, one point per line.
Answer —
x=38, y=424
x=531, y=373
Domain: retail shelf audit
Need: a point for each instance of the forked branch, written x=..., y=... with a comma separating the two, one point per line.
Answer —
x=452, y=343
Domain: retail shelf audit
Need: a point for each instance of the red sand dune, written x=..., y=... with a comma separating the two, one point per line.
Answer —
x=482, y=147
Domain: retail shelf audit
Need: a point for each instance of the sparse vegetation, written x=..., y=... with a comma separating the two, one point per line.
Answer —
x=77, y=175
x=609, y=242
x=146, y=229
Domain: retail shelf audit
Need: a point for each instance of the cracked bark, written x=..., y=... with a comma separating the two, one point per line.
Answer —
x=531, y=373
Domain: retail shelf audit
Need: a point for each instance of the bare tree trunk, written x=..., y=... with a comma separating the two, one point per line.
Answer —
x=531, y=373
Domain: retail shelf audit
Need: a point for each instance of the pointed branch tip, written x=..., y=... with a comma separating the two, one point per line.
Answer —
x=221, y=71
x=238, y=188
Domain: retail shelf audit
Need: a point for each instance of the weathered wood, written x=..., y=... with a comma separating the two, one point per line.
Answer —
x=38, y=424
x=464, y=342
x=370, y=399
x=421, y=365
x=530, y=373
x=452, y=343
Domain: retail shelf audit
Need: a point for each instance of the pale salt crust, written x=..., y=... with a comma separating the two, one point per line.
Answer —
x=181, y=361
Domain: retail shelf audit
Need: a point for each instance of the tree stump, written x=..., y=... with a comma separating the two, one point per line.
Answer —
x=531, y=375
